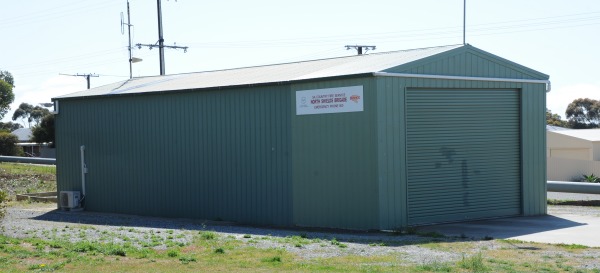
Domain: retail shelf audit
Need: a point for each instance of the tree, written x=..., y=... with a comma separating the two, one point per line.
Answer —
x=584, y=113
x=7, y=83
x=44, y=131
x=9, y=126
x=8, y=144
x=555, y=119
x=7, y=77
x=30, y=113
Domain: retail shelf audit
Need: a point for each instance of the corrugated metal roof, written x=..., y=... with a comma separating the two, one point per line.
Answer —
x=352, y=65
x=586, y=134
x=23, y=134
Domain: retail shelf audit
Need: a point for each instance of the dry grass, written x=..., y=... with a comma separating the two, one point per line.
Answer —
x=26, y=178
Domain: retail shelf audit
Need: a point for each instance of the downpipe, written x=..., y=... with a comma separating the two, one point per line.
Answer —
x=83, y=172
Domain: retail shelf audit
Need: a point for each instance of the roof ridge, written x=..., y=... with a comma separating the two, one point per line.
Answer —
x=303, y=61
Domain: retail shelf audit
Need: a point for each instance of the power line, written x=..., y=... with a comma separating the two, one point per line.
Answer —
x=293, y=42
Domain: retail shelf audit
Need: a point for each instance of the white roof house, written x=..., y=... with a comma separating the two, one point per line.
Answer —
x=23, y=134
x=583, y=144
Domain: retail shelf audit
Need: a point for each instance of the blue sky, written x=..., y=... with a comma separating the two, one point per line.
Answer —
x=44, y=38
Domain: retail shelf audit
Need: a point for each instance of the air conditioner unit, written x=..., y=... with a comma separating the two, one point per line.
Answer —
x=69, y=199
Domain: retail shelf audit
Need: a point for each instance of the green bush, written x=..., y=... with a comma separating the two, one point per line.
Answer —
x=591, y=178
x=8, y=145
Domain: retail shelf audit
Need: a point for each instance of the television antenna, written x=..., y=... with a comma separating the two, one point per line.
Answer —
x=129, y=25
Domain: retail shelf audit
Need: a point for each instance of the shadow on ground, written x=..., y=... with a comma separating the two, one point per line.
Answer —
x=532, y=227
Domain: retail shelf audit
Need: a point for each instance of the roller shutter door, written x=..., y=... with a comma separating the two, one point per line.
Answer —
x=463, y=154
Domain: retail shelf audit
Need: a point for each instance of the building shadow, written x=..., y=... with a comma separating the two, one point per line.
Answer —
x=503, y=228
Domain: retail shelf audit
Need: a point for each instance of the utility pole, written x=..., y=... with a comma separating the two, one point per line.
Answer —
x=359, y=48
x=160, y=42
x=87, y=77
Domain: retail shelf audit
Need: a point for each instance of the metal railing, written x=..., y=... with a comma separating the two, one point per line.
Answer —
x=31, y=160
x=574, y=187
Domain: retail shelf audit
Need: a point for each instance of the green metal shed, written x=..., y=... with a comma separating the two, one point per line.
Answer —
x=378, y=141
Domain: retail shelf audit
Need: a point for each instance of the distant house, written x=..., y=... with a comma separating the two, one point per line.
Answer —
x=555, y=128
x=30, y=148
x=583, y=144
x=572, y=153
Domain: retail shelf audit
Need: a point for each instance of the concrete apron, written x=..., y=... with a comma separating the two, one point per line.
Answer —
x=553, y=229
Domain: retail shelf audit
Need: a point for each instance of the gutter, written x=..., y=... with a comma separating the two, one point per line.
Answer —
x=463, y=78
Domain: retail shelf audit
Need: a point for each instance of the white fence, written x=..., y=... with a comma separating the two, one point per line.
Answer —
x=562, y=169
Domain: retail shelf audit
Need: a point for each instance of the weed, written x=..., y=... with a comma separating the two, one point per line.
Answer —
x=247, y=236
x=173, y=253
x=473, y=263
x=84, y=246
x=276, y=259
x=220, y=250
x=208, y=235
x=488, y=238
x=590, y=178
x=338, y=244
x=187, y=259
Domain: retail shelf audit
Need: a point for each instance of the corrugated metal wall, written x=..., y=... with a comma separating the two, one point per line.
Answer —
x=392, y=143
x=533, y=120
x=468, y=61
x=334, y=163
x=244, y=155
x=211, y=155
x=391, y=150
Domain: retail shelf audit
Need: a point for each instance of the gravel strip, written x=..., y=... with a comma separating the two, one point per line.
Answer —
x=44, y=221
x=573, y=196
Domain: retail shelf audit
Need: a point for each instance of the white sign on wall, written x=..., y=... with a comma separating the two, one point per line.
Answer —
x=329, y=100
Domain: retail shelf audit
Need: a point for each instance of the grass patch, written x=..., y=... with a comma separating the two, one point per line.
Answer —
x=572, y=246
x=585, y=203
x=227, y=254
x=434, y=266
